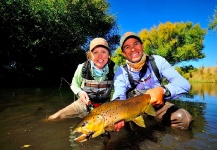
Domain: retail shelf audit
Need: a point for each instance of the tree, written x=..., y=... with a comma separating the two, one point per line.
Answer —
x=176, y=42
x=118, y=57
x=49, y=38
x=213, y=22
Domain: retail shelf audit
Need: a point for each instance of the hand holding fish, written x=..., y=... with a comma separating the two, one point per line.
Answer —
x=156, y=96
x=84, y=97
x=156, y=100
x=108, y=115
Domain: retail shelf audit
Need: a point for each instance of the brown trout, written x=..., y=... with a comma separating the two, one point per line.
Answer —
x=103, y=118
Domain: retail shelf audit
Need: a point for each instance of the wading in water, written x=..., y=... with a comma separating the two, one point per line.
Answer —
x=92, y=81
x=143, y=74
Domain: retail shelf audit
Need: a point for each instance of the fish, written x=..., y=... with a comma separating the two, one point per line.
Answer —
x=103, y=118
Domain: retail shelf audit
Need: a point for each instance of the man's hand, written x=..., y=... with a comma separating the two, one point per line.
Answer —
x=84, y=97
x=119, y=125
x=156, y=96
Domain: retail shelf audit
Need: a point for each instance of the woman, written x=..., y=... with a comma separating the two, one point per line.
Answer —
x=92, y=81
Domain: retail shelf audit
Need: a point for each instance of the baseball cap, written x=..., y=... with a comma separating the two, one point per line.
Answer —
x=128, y=35
x=97, y=42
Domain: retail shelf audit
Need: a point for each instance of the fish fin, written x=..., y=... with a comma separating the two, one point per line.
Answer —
x=150, y=110
x=97, y=133
x=132, y=127
x=139, y=121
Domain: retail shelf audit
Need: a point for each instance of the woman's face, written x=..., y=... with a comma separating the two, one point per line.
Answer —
x=99, y=56
x=132, y=50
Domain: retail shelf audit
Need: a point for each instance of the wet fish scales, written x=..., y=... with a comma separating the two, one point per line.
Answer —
x=104, y=117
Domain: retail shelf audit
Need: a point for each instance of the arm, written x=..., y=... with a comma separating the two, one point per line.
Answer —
x=121, y=84
x=77, y=80
x=76, y=85
x=177, y=84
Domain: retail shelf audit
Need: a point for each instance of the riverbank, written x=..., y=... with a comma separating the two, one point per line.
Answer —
x=202, y=74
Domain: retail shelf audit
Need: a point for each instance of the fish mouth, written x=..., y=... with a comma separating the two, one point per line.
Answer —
x=82, y=137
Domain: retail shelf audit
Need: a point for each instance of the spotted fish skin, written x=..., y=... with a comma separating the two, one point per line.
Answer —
x=104, y=117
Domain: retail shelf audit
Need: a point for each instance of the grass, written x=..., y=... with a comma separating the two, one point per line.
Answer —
x=202, y=74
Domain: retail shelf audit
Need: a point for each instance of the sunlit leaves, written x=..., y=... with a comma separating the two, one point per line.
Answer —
x=213, y=21
x=175, y=41
x=118, y=58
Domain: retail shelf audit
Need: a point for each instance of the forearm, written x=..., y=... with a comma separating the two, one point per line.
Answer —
x=178, y=86
x=75, y=89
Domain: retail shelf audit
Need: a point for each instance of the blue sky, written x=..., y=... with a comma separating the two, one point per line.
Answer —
x=136, y=15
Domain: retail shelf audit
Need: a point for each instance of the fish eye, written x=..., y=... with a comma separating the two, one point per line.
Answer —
x=83, y=124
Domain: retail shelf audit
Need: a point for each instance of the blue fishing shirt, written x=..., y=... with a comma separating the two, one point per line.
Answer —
x=177, y=84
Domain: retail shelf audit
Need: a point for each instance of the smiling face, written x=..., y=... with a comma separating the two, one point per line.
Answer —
x=99, y=55
x=132, y=50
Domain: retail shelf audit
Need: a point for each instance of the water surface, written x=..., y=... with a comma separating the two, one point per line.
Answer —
x=24, y=111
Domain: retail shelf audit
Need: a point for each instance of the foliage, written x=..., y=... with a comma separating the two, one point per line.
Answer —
x=186, y=71
x=47, y=37
x=118, y=57
x=201, y=74
x=213, y=21
x=176, y=42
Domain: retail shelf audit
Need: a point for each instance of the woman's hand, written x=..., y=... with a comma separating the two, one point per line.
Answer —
x=83, y=97
x=157, y=95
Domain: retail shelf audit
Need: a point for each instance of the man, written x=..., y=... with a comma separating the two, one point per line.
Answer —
x=138, y=77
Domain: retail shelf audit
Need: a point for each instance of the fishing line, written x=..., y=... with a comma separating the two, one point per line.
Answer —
x=61, y=83
x=69, y=86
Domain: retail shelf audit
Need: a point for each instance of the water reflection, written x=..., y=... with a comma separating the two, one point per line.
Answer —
x=197, y=110
x=204, y=88
x=23, y=113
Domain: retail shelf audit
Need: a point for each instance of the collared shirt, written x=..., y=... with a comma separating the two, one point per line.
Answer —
x=177, y=84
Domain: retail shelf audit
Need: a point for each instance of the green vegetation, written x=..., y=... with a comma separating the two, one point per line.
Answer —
x=213, y=21
x=201, y=74
x=45, y=40
x=42, y=41
x=177, y=42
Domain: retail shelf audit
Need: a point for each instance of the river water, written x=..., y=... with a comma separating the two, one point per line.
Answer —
x=24, y=111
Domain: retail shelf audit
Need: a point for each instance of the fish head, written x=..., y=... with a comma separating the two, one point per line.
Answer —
x=90, y=127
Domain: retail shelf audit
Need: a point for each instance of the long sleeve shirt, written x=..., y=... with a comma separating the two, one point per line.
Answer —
x=177, y=84
x=77, y=79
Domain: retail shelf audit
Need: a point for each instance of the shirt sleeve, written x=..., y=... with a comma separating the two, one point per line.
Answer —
x=77, y=80
x=177, y=84
x=121, y=84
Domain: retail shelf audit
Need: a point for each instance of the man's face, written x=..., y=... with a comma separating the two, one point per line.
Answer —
x=132, y=50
